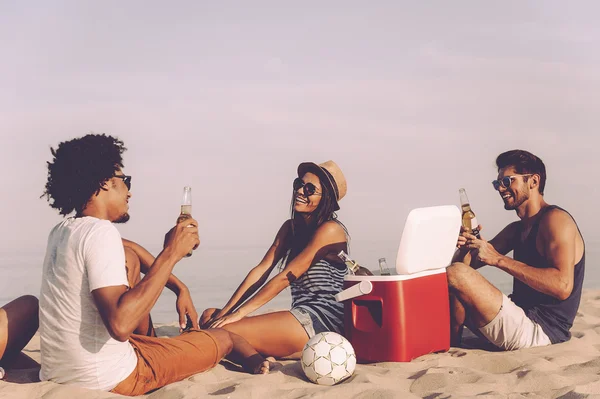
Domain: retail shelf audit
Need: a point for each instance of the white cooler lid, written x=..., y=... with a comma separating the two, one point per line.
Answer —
x=398, y=277
x=428, y=239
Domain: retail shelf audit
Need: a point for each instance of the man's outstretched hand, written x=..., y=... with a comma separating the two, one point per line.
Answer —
x=188, y=316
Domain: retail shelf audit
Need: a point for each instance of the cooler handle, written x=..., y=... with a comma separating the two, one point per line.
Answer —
x=362, y=288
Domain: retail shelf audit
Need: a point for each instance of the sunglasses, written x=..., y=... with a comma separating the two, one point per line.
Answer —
x=126, y=180
x=506, y=181
x=308, y=188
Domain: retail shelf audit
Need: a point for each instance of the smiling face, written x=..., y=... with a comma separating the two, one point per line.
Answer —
x=118, y=199
x=517, y=192
x=304, y=204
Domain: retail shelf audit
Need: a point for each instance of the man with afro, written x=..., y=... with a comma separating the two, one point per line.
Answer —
x=95, y=326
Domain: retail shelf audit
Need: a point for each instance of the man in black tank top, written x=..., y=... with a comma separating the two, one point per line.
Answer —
x=548, y=266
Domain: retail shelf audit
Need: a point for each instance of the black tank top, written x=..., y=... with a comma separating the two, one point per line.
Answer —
x=553, y=315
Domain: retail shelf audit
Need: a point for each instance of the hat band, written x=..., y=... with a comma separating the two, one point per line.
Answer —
x=332, y=182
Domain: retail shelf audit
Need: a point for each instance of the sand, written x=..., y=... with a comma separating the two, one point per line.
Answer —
x=568, y=370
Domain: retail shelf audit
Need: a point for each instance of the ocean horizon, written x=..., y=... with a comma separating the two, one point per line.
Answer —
x=213, y=273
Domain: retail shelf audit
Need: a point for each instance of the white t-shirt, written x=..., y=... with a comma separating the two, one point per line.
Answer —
x=83, y=254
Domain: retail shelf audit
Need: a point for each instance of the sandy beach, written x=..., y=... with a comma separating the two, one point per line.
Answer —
x=568, y=370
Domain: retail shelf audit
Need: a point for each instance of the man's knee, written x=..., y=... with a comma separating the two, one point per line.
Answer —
x=21, y=315
x=30, y=304
x=223, y=340
x=457, y=273
x=26, y=306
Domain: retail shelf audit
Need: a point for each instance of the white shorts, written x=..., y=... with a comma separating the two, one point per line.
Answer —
x=511, y=329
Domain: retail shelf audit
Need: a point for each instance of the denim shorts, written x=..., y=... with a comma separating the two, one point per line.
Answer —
x=311, y=323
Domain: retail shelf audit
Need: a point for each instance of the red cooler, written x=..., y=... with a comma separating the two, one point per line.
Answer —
x=400, y=317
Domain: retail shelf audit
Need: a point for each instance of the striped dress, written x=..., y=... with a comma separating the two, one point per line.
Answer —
x=314, y=292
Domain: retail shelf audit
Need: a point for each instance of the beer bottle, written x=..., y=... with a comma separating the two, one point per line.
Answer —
x=354, y=267
x=186, y=208
x=469, y=221
x=383, y=267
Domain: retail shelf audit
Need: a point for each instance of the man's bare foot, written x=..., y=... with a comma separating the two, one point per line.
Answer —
x=265, y=367
x=256, y=364
x=262, y=368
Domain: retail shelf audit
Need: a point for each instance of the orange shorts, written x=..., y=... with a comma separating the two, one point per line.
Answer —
x=162, y=361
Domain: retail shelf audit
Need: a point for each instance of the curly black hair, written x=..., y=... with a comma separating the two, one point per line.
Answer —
x=79, y=169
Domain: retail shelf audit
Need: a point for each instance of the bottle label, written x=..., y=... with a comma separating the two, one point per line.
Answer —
x=353, y=267
x=475, y=227
x=474, y=224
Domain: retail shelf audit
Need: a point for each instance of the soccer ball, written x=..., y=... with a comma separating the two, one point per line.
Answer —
x=328, y=358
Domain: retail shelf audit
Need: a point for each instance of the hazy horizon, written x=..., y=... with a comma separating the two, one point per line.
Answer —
x=413, y=101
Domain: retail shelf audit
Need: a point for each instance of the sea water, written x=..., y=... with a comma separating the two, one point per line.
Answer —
x=213, y=274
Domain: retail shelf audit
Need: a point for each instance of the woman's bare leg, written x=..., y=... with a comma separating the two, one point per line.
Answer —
x=19, y=321
x=277, y=334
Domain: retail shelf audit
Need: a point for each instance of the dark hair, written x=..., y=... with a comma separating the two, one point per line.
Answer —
x=524, y=162
x=79, y=169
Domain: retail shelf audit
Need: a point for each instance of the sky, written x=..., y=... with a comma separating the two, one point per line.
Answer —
x=413, y=100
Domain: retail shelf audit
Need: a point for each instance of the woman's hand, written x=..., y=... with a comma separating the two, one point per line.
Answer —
x=208, y=316
x=223, y=321
x=186, y=309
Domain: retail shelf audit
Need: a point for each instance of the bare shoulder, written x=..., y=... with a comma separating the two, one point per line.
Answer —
x=557, y=223
x=331, y=231
x=556, y=219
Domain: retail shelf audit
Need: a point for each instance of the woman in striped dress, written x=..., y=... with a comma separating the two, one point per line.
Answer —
x=306, y=247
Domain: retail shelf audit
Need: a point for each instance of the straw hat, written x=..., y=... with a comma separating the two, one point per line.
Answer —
x=329, y=173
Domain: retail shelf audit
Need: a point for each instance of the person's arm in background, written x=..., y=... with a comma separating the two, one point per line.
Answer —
x=121, y=308
x=184, y=304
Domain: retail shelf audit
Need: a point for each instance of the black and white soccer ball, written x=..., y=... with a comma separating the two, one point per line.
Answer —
x=328, y=358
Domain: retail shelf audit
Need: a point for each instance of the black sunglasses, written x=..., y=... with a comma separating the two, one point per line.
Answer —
x=308, y=188
x=505, y=182
x=126, y=180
